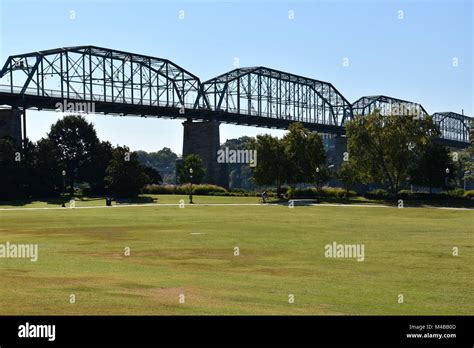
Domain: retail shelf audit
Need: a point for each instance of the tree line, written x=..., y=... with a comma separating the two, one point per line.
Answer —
x=71, y=153
x=392, y=151
x=388, y=150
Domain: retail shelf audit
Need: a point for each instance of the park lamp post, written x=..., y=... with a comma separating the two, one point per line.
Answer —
x=191, y=182
x=316, y=178
x=446, y=179
x=64, y=180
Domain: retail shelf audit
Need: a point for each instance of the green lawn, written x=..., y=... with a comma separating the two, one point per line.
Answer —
x=190, y=251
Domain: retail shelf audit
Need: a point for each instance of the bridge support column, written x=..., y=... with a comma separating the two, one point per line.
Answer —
x=10, y=125
x=336, y=149
x=202, y=139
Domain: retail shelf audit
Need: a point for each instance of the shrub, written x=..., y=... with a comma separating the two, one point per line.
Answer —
x=457, y=192
x=469, y=194
x=377, y=194
x=201, y=189
x=206, y=189
x=336, y=192
x=407, y=194
x=312, y=192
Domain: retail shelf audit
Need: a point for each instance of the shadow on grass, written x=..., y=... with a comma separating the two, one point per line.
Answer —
x=59, y=201
x=438, y=203
x=135, y=200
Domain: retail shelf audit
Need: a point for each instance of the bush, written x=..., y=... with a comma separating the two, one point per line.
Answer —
x=407, y=194
x=454, y=194
x=377, y=194
x=469, y=194
x=201, y=189
x=457, y=192
x=335, y=192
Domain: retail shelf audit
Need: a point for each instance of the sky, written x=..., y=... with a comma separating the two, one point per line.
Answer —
x=418, y=50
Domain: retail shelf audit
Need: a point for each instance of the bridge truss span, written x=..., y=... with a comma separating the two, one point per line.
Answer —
x=121, y=83
x=279, y=96
x=99, y=75
x=454, y=127
x=387, y=106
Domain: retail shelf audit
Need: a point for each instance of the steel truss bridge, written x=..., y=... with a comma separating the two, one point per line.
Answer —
x=122, y=83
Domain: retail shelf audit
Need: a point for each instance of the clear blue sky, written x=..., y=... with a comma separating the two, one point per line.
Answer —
x=409, y=58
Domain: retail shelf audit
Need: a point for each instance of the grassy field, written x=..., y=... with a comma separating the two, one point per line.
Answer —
x=190, y=251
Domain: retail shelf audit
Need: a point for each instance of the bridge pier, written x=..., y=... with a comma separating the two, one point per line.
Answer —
x=11, y=125
x=336, y=147
x=202, y=139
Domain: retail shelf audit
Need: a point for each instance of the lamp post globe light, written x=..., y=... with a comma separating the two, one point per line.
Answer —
x=191, y=185
x=64, y=179
x=447, y=178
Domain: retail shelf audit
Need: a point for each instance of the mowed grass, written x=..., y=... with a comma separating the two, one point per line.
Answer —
x=190, y=251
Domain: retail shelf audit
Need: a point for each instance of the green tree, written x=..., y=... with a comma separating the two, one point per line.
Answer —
x=272, y=162
x=94, y=171
x=164, y=161
x=125, y=175
x=383, y=147
x=348, y=175
x=305, y=152
x=429, y=166
x=49, y=179
x=240, y=173
x=191, y=161
x=153, y=176
x=76, y=144
x=464, y=166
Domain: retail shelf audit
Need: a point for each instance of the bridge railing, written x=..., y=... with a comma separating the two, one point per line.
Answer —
x=95, y=97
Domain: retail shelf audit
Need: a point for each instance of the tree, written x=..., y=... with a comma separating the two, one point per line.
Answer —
x=48, y=170
x=94, y=171
x=191, y=161
x=153, y=176
x=239, y=173
x=75, y=141
x=429, y=167
x=272, y=165
x=305, y=151
x=164, y=161
x=348, y=175
x=464, y=166
x=125, y=176
x=383, y=147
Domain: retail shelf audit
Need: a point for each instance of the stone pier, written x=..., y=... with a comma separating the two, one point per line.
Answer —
x=10, y=124
x=202, y=139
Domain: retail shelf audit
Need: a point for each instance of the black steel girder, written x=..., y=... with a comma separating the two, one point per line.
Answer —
x=273, y=94
x=95, y=74
x=386, y=106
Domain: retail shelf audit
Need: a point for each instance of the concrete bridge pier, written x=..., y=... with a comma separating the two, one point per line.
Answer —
x=11, y=124
x=202, y=139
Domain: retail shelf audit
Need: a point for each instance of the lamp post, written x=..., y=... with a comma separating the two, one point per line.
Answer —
x=446, y=179
x=64, y=180
x=446, y=183
x=191, y=182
